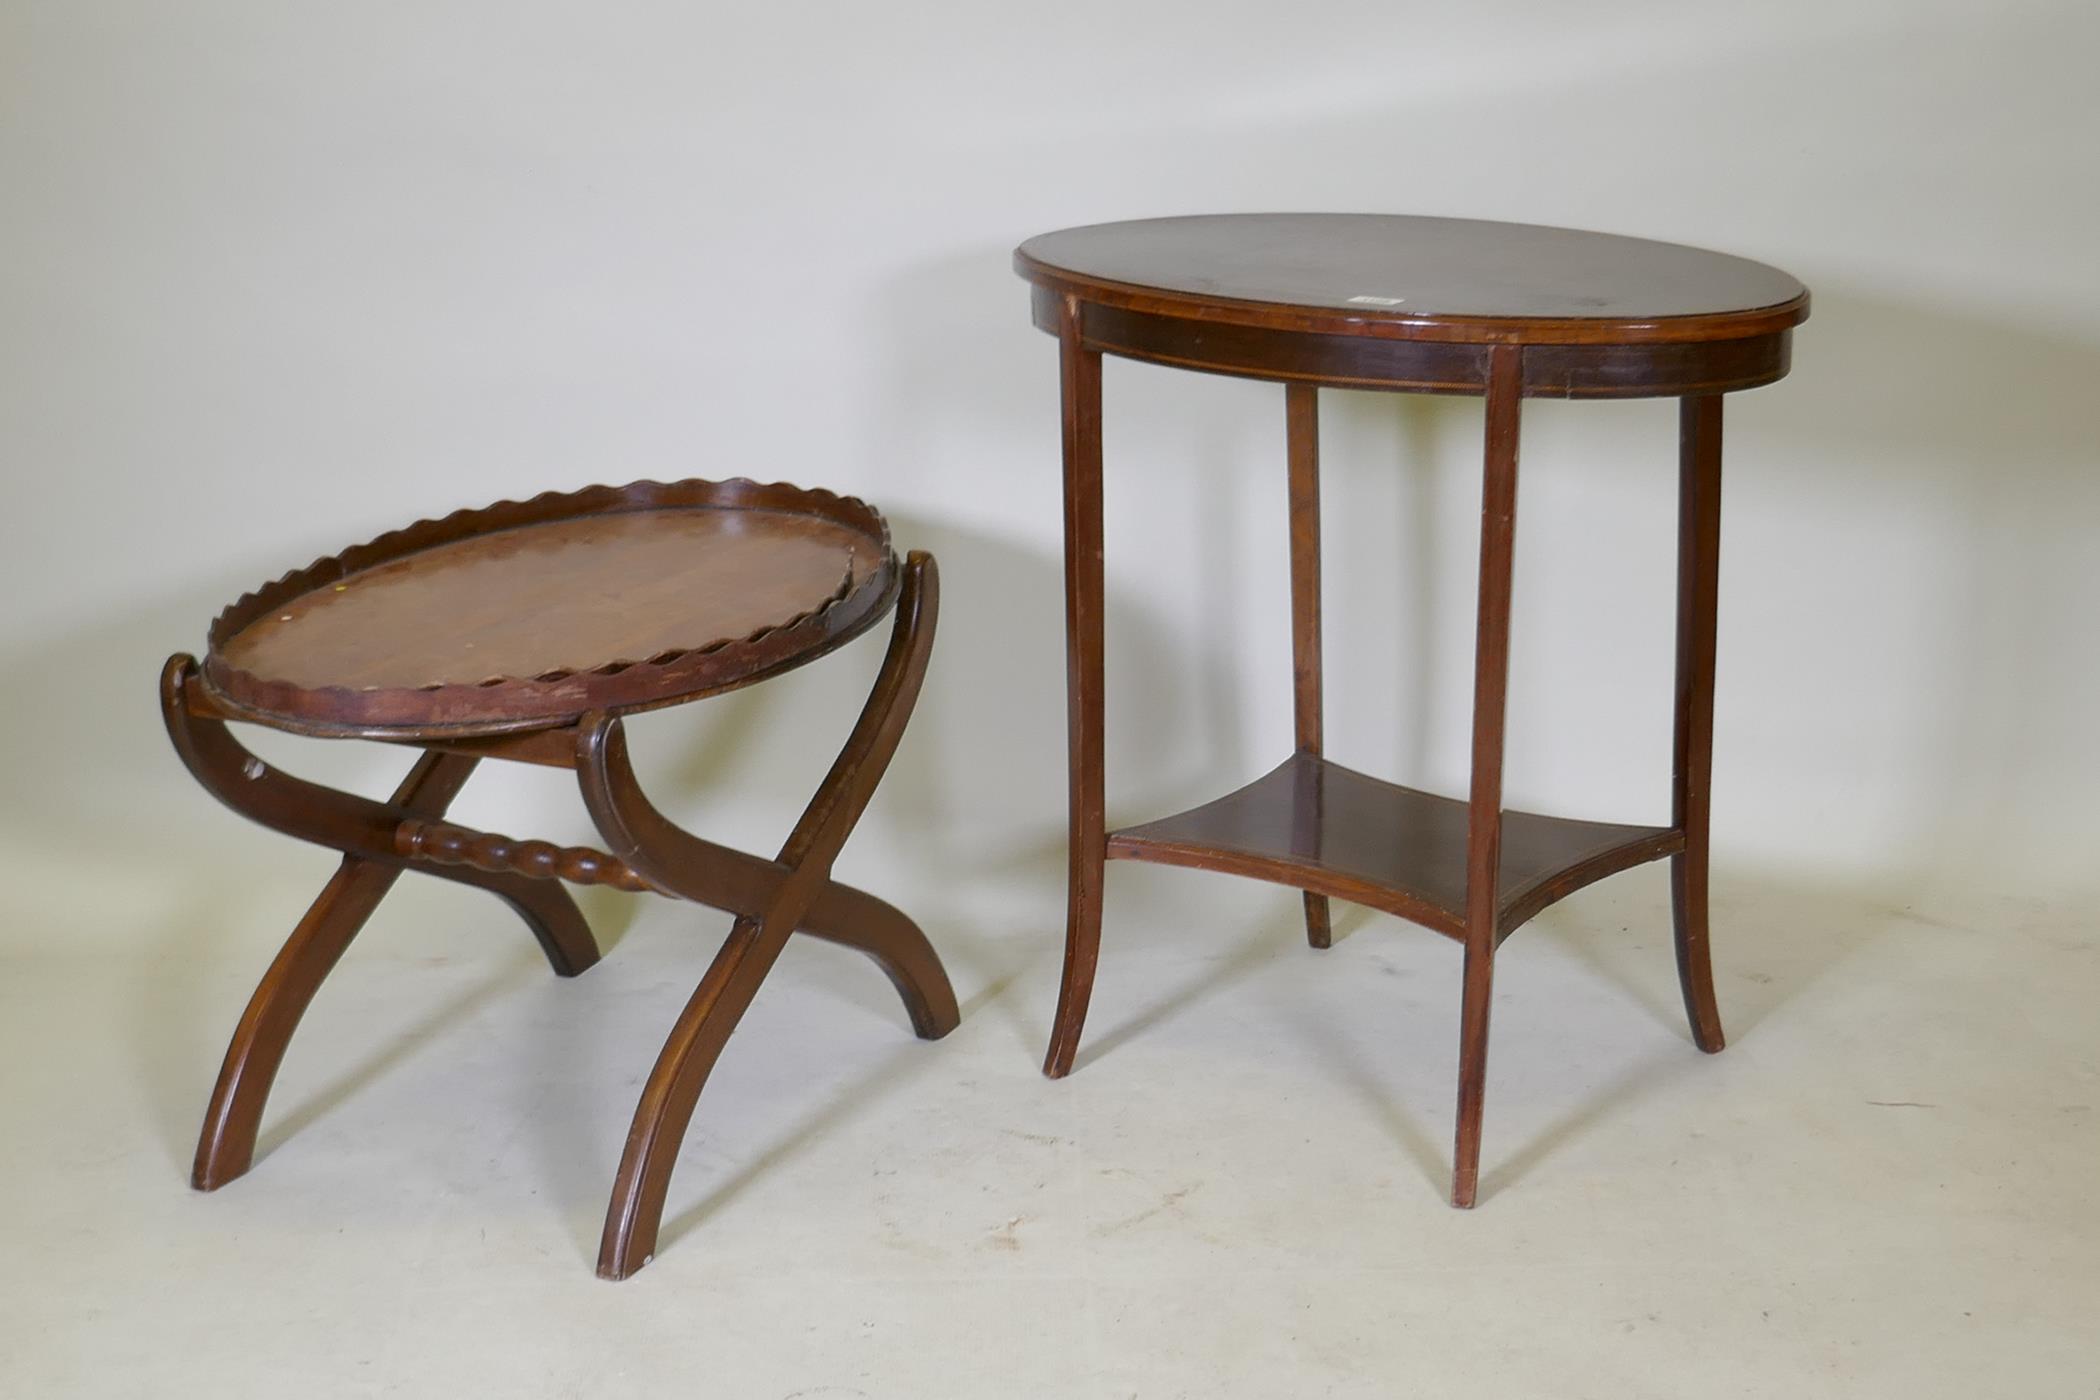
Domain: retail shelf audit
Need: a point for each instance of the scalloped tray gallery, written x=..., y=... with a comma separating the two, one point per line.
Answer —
x=528, y=614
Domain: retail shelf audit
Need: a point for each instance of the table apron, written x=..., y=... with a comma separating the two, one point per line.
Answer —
x=1655, y=370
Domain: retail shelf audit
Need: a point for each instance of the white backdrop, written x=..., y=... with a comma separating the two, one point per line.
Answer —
x=276, y=277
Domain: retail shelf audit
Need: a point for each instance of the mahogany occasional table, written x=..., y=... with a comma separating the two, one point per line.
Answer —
x=525, y=631
x=1419, y=305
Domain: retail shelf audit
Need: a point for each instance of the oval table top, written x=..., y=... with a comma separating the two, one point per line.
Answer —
x=1415, y=277
x=527, y=614
x=1391, y=301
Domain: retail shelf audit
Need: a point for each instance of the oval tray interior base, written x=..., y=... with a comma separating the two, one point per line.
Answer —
x=528, y=614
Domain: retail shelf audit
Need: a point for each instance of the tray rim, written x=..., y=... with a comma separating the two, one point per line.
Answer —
x=553, y=699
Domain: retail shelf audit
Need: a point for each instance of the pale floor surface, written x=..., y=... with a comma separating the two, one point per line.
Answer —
x=1886, y=1186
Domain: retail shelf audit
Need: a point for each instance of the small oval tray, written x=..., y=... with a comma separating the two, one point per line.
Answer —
x=528, y=614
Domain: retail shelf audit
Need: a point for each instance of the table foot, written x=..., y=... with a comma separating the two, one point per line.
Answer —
x=1695, y=965
x=1082, y=951
x=1472, y=1075
x=1319, y=932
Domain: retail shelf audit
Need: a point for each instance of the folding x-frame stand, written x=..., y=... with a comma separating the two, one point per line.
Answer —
x=771, y=899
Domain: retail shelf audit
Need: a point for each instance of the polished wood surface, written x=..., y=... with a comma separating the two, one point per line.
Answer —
x=1315, y=824
x=569, y=595
x=526, y=614
x=1411, y=277
x=1269, y=296
x=1416, y=305
x=602, y=559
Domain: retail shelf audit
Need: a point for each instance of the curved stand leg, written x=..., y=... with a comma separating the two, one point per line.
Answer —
x=1498, y=527
x=635, y=1212
x=557, y=925
x=1698, y=592
x=853, y=919
x=226, y=1144
x=362, y=829
x=682, y=864
x=358, y=826
x=1080, y=375
x=706, y=873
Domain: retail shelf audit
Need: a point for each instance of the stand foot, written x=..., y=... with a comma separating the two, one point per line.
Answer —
x=362, y=830
x=796, y=891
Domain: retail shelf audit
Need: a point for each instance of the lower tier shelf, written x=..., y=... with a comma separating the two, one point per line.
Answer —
x=1321, y=827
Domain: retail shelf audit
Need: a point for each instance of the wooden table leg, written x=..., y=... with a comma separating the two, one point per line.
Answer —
x=1698, y=593
x=1080, y=375
x=681, y=865
x=1498, y=524
x=1302, y=429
